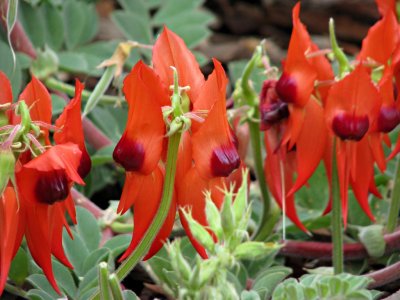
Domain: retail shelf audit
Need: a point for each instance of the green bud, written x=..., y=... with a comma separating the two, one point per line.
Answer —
x=178, y=262
x=208, y=270
x=7, y=167
x=228, y=218
x=175, y=126
x=194, y=281
x=254, y=250
x=240, y=203
x=213, y=217
x=200, y=233
x=105, y=289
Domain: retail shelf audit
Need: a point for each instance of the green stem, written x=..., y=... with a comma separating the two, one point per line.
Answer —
x=337, y=228
x=395, y=201
x=16, y=291
x=119, y=227
x=344, y=65
x=265, y=227
x=115, y=287
x=251, y=98
x=68, y=89
x=170, y=169
x=105, y=290
x=99, y=90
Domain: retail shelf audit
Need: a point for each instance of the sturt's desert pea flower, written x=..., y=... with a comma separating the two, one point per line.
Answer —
x=35, y=195
x=172, y=96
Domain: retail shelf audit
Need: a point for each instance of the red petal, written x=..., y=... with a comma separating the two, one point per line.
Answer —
x=362, y=175
x=145, y=206
x=275, y=163
x=381, y=40
x=38, y=99
x=191, y=197
x=9, y=224
x=70, y=128
x=355, y=95
x=170, y=50
x=214, y=153
x=5, y=90
x=386, y=6
x=308, y=152
x=141, y=145
x=213, y=89
x=38, y=238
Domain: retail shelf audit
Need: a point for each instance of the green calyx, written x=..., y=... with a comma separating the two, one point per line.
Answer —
x=175, y=116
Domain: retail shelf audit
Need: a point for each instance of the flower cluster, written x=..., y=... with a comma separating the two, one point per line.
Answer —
x=173, y=96
x=310, y=115
x=36, y=176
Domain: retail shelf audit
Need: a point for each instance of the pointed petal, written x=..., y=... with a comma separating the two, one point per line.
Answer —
x=308, y=152
x=381, y=40
x=213, y=89
x=70, y=129
x=214, y=152
x=386, y=6
x=190, y=197
x=37, y=238
x=5, y=90
x=362, y=175
x=279, y=171
x=57, y=223
x=170, y=50
x=140, y=146
x=297, y=81
x=9, y=223
x=375, y=143
x=145, y=207
x=38, y=99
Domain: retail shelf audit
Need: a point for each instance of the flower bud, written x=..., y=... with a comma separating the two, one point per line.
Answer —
x=200, y=233
x=228, y=218
x=213, y=217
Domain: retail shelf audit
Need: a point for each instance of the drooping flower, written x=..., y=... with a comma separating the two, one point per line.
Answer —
x=292, y=116
x=352, y=108
x=207, y=150
x=35, y=204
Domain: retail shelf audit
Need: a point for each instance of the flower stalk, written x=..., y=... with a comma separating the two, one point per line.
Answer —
x=395, y=201
x=337, y=228
x=251, y=99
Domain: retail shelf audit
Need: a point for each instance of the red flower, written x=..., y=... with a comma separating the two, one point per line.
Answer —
x=352, y=108
x=43, y=182
x=208, y=150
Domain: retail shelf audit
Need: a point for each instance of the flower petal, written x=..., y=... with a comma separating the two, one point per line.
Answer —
x=70, y=129
x=170, y=51
x=5, y=90
x=141, y=145
x=214, y=152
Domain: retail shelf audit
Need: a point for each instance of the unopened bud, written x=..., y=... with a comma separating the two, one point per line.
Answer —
x=200, y=233
x=213, y=217
x=228, y=218
x=178, y=262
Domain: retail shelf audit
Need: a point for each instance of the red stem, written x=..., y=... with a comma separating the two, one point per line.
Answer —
x=84, y=202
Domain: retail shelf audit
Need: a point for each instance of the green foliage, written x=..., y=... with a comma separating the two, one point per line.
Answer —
x=325, y=287
x=186, y=18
